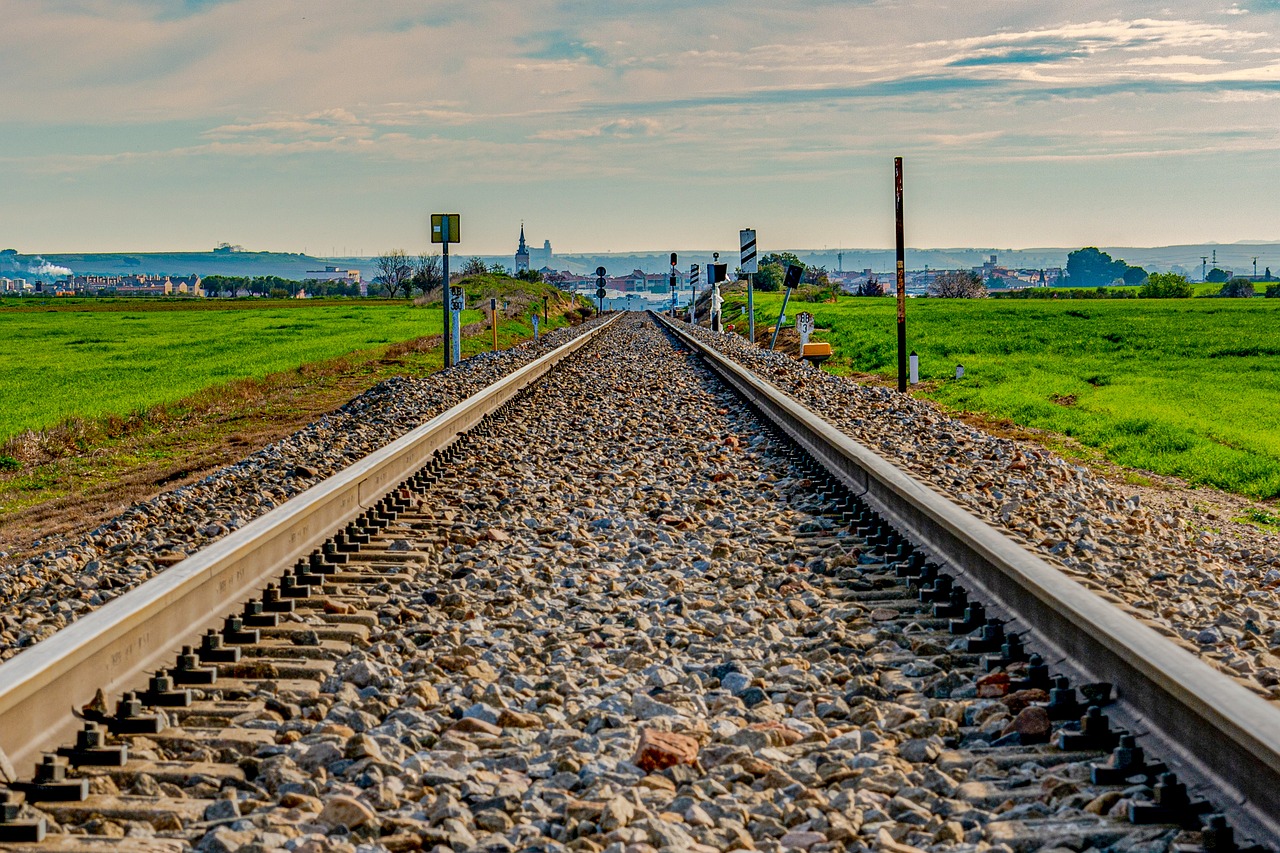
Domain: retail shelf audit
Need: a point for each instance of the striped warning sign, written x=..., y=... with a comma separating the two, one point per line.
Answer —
x=748, y=262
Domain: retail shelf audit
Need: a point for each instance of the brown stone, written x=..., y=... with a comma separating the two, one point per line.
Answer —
x=887, y=843
x=784, y=735
x=1031, y=722
x=660, y=750
x=471, y=725
x=518, y=720
x=993, y=686
x=1020, y=699
x=657, y=783
x=346, y=811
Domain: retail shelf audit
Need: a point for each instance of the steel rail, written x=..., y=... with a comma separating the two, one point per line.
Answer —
x=1216, y=734
x=112, y=647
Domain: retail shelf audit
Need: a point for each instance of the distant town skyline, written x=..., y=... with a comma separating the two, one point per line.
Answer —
x=172, y=125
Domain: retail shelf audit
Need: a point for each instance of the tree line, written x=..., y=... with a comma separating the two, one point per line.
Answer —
x=398, y=273
x=274, y=285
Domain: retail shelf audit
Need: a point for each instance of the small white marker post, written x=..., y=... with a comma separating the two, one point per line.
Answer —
x=805, y=327
x=535, y=327
x=915, y=368
x=959, y=371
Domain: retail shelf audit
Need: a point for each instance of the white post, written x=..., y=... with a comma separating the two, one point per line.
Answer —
x=915, y=368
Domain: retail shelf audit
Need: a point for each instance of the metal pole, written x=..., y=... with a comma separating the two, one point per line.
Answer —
x=447, y=338
x=751, y=309
x=778, y=328
x=902, y=278
x=493, y=321
x=546, y=318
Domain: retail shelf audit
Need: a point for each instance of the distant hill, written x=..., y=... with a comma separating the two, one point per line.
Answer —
x=1237, y=257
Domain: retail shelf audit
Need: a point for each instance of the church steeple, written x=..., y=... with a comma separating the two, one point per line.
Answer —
x=522, y=254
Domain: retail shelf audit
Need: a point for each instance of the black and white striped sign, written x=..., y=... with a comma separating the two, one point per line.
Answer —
x=694, y=278
x=748, y=261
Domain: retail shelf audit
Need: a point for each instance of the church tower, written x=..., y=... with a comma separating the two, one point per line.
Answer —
x=522, y=254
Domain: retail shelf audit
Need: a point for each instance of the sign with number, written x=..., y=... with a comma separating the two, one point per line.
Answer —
x=457, y=299
x=804, y=323
x=748, y=261
x=446, y=228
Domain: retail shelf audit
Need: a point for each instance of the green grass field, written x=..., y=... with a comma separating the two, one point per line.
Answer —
x=1182, y=387
x=63, y=359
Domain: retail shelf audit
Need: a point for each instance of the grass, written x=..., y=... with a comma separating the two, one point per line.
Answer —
x=1183, y=387
x=90, y=358
x=101, y=394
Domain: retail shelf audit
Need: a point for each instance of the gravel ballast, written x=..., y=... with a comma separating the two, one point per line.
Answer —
x=44, y=594
x=624, y=619
x=1214, y=593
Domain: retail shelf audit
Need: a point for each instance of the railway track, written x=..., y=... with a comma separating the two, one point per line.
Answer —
x=619, y=608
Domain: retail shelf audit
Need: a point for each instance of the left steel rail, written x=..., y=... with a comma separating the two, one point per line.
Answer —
x=113, y=647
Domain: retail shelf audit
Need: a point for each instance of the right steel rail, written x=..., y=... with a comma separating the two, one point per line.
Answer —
x=1223, y=736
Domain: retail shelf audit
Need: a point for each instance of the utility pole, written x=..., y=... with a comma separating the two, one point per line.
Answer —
x=902, y=277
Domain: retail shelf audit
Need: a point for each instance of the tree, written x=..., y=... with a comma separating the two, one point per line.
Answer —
x=1216, y=275
x=394, y=272
x=475, y=266
x=816, y=275
x=1165, y=285
x=958, y=284
x=870, y=287
x=1134, y=275
x=529, y=275
x=1090, y=267
x=773, y=269
x=427, y=273
x=1273, y=291
x=1238, y=288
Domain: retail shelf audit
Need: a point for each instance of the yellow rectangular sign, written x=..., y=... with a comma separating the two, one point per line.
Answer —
x=446, y=228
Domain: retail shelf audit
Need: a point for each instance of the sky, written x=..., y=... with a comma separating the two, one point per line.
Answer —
x=334, y=127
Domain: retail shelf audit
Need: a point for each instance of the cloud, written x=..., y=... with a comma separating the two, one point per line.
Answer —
x=618, y=129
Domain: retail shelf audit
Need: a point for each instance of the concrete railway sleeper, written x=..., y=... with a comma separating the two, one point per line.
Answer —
x=622, y=612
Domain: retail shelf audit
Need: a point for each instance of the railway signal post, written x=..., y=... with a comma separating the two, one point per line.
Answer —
x=792, y=280
x=750, y=265
x=600, y=273
x=673, y=285
x=693, y=293
x=446, y=229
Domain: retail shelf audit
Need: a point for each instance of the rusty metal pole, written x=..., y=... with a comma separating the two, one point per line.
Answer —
x=493, y=321
x=902, y=278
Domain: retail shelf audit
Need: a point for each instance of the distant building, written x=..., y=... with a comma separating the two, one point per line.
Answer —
x=337, y=274
x=134, y=285
x=522, y=253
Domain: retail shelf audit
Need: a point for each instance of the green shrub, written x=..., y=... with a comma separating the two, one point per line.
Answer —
x=1165, y=285
x=1237, y=288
